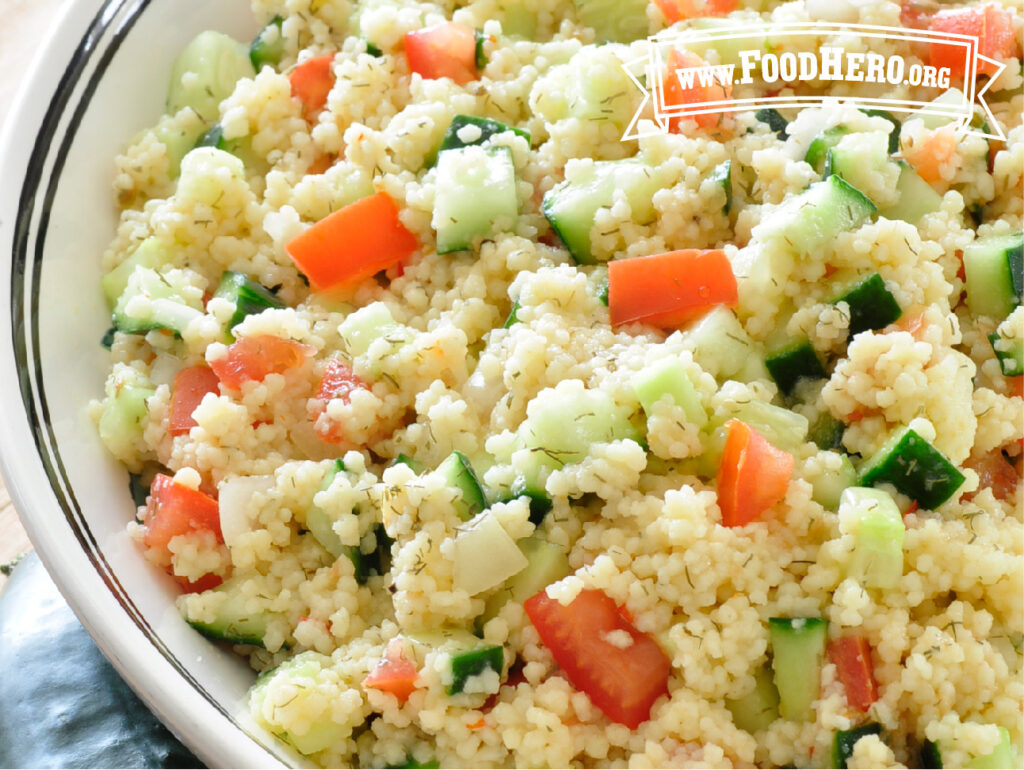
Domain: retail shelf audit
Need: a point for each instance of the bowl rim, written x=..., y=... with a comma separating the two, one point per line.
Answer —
x=34, y=144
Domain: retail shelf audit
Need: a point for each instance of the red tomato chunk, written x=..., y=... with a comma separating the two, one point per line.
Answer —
x=191, y=385
x=852, y=658
x=174, y=509
x=253, y=358
x=446, y=50
x=622, y=681
x=338, y=382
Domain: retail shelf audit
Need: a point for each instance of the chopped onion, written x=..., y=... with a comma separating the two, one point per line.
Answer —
x=235, y=504
x=485, y=555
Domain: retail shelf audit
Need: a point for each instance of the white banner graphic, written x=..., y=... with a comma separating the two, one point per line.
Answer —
x=746, y=54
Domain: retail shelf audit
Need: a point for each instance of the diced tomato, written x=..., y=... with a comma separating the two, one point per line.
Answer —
x=697, y=93
x=912, y=508
x=624, y=682
x=353, y=243
x=667, y=290
x=338, y=382
x=191, y=384
x=1016, y=386
x=993, y=27
x=253, y=358
x=928, y=157
x=916, y=15
x=677, y=10
x=996, y=472
x=394, y=673
x=205, y=583
x=753, y=476
x=174, y=509
x=446, y=50
x=852, y=658
x=312, y=81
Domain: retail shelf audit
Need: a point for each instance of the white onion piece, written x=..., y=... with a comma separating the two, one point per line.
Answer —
x=235, y=504
x=485, y=555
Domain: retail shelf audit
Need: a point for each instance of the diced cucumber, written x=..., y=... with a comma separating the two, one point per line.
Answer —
x=668, y=376
x=994, y=268
x=517, y=20
x=827, y=488
x=817, y=152
x=469, y=130
x=798, y=648
x=951, y=99
x=476, y=196
x=411, y=764
x=875, y=522
x=546, y=564
x=512, y=317
x=124, y=411
x=178, y=135
x=915, y=468
x=321, y=526
x=236, y=619
x=872, y=305
x=602, y=292
x=373, y=50
x=792, y=363
x=366, y=325
x=268, y=45
x=917, y=197
x=722, y=174
x=827, y=432
x=618, y=21
x=152, y=253
x=570, y=207
x=205, y=73
x=485, y=555
x=931, y=755
x=468, y=655
x=729, y=46
x=305, y=679
x=1009, y=352
x=540, y=503
x=723, y=348
x=756, y=710
x=149, y=302
x=812, y=219
x=859, y=158
x=248, y=297
x=1003, y=755
x=894, y=133
x=845, y=740
x=780, y=427
x=459, y=474
x=773, y=120
x=479, y=55
x=404, y=459
x=563, y=424
x=107, y=340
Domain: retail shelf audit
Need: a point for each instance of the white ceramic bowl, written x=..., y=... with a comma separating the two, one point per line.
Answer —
x=100, y=78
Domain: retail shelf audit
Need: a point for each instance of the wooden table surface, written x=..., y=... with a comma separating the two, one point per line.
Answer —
x=26, y=23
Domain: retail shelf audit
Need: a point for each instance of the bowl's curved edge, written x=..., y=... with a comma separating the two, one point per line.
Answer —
x=77, y=566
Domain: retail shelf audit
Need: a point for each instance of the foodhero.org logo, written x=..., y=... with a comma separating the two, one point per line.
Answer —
x=680, y=84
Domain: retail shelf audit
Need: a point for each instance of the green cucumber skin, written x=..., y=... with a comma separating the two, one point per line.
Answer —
x=487, y=126
x=931, y=756
x=774, y=121
x=994, y=269
x=722, y=173
x=261, y=52
x=894, y=134
x=64, y=705
x=472, y=663
x=798, y=649
x=872, y=305
x=794, y=363
x=1011, y=362
x=249, y=297
x=845, y=740
x=930, y=479
x=460, y=474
